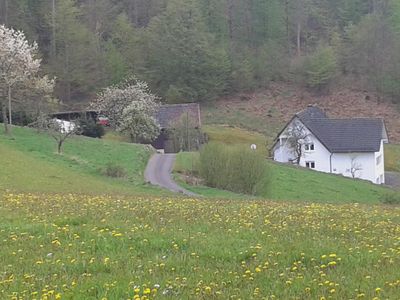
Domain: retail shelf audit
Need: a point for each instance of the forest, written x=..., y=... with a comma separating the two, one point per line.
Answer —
x=198, y=50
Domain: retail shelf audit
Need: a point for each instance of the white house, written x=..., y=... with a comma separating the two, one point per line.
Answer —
x=350, y=147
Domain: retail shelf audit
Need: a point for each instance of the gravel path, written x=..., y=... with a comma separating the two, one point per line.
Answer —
x=159, y=172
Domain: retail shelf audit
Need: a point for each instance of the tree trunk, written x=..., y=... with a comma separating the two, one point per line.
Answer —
x=9, y=106
x=59, y=147
x=53, y=25
x=287, y=26
x=298, y=39
x=68, y=80
x=230, y=19
x=4, y=113
x=6, y=12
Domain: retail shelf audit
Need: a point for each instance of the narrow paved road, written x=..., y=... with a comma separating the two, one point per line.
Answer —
x=392, y=179
x=158, y=172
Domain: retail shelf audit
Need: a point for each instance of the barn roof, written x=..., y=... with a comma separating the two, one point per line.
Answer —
x=170, y=113
x=343, y=135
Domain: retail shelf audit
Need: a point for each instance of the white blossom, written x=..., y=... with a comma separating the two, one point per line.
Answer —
x=130, y=108
x=17, y=56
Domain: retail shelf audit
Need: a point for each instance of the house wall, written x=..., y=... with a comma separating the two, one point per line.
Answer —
x=380, y=168
x=320, y=155
x=341, y=162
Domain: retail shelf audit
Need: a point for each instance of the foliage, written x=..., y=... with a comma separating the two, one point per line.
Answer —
x=391, y=198
x=320, y=68
x=236, y=169
x=130, y=107
x=90, y=128
x=17, y=64
x=185, y=134
x=198, y=50
x=286, y=183
x=131, y=247
x=182, y=52
x=59, y=130
x=113, y=170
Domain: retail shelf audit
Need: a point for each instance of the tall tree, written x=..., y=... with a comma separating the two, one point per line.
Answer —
x=75, y=63
x=17, y=64
x=182, y=55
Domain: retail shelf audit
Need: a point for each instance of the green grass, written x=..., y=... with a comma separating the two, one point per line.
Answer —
x=237, y=136
x=295, y=183
x=283, y=182
x=392, y=158
x=83, y=247
x=30, y=163
x=241, y=115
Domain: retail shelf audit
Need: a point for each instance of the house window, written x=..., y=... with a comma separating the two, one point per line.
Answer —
x=379, y=160
x=310, y=164
x=309, y=147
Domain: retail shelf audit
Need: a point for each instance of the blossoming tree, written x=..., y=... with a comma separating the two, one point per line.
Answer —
x=131, y=108
x=17, y=65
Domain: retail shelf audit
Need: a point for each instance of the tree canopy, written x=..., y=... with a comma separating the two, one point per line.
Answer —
x=191, y=50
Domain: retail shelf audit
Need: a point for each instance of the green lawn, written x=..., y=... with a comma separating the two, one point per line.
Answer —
x=30, y=163
x=284, y=182
x=237, y=136
x=392, y=158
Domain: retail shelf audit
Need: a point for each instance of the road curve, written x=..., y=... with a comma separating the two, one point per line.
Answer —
x=158, y=172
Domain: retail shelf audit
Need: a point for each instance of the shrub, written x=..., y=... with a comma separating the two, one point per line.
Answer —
x=237, y=169
x=115, y=171
x=90, y=128
x=391, y=198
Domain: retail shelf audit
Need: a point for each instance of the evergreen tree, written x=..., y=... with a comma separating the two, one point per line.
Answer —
x=181, y=54
x=320, y=68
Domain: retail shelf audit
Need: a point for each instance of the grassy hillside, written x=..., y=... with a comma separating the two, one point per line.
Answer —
x=284, y=182
x=82, y=247
x=30, y=163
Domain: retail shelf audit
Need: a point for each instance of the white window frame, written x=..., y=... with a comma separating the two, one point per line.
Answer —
x=309, y=165
x=309, y=147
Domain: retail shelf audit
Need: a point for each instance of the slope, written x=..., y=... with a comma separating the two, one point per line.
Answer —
x=29, y=163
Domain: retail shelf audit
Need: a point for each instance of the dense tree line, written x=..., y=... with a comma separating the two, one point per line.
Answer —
x=195, y=50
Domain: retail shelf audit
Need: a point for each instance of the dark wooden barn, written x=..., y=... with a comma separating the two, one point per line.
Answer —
x=167, y=116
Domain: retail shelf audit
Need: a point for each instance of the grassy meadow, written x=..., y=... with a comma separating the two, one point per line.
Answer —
x=108, y=247
x=283, y=182
x=69, y=232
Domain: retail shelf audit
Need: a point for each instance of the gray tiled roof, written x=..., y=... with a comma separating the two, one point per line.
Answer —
x=170, y=113
x=344, y=135
x=311, y=112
